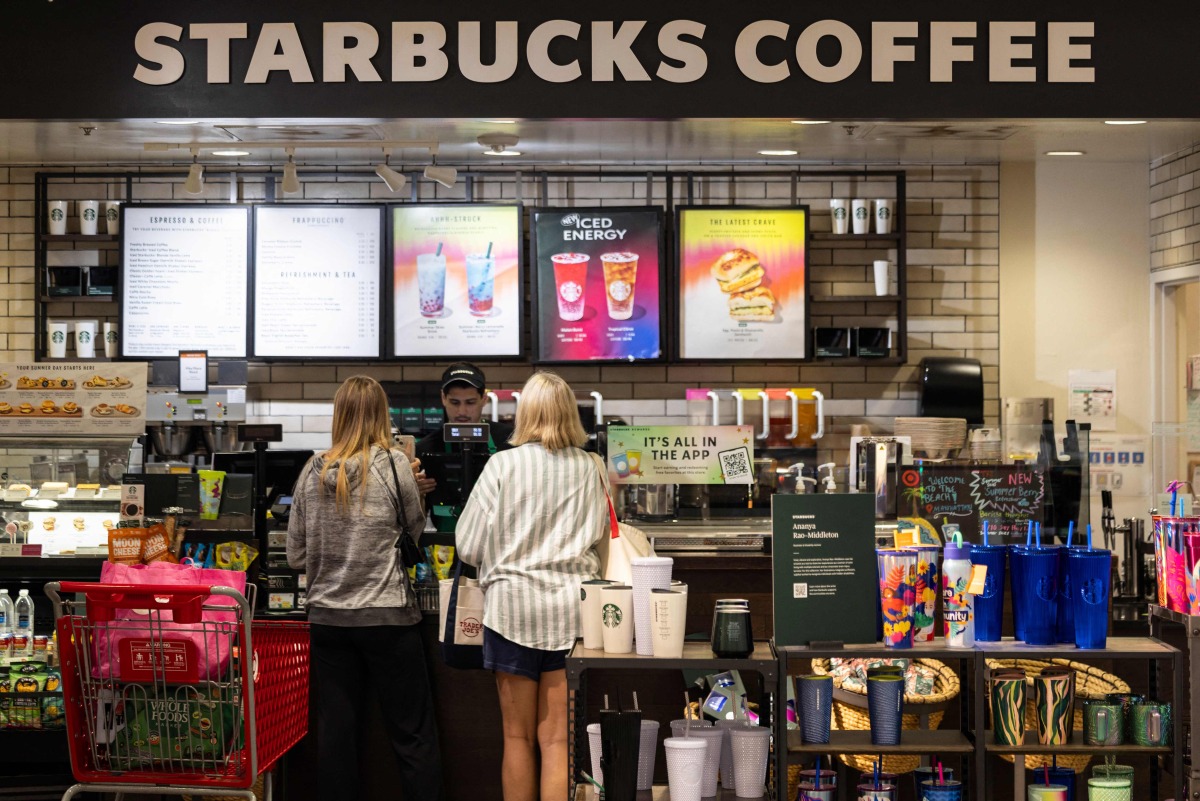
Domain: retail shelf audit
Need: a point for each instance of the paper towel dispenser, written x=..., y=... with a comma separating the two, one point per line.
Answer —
x=951, y=387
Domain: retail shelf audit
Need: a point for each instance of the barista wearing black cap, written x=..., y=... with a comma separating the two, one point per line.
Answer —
x=463, y=399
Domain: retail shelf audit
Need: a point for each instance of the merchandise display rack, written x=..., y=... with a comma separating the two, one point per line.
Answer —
x=697, y=656
x=977, y=739
x=1186, y=698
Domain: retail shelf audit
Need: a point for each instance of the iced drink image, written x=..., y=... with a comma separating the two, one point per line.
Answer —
x=620, y=278
x=481, y=283
x=431, y=283
x=570, y=277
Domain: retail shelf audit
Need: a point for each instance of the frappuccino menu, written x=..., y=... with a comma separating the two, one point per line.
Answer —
x=184, y=278
x=316, y=281
x=456, y=280
x=742, y=283
x=599, y=277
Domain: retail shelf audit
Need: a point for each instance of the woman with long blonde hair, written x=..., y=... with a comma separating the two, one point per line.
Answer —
x=343, y=532
x=531, y=526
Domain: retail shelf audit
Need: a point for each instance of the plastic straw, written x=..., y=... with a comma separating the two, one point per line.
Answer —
x=1070, y=533
x=439, y=252
x=876, y=769
x=488, y=255
x=1046, y=768
x=817, y=780
x=985, y=532
x=1173, y=488
x=1029, y=534
x=599, y=786
x=941, y=774
x=1089, y=536
x=1037, y=532
x=635, y=702
x=687, y=704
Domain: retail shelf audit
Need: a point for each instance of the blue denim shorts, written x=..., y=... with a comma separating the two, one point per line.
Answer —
x=507, y=656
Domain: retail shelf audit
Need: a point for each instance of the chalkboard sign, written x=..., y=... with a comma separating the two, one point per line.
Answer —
x=1007, y=496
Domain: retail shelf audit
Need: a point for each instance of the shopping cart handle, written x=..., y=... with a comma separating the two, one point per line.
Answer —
x=185, y=601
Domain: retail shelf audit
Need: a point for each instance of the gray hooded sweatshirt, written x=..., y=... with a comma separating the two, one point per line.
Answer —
x=354, y=573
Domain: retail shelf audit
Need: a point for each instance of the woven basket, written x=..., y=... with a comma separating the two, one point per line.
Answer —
x=920, y=712
x=1090, y=683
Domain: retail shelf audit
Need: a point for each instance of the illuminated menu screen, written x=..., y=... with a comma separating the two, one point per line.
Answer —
x=599, y=284
x=456, y=278
x=317, y=275
x=184, y=274
x=742, y=283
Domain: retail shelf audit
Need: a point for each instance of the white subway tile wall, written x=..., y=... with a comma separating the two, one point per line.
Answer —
x=953, y=286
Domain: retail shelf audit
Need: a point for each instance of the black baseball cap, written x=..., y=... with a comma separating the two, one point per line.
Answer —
x=463, y=373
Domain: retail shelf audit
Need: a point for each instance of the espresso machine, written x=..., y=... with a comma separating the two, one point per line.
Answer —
x=184, y=430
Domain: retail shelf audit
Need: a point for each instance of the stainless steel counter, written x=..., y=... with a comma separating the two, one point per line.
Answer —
x=733, y=534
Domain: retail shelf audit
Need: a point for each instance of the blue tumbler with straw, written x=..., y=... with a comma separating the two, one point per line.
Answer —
x=1065, y=621
x=1090, y=576
x=1038, y=590
x=989, y=605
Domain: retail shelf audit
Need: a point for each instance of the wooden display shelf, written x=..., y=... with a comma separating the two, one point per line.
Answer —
x=1076, y=746
x=827, y=236
x=78, y=298
x=857, y=361
x=79, y=237
x=912, y=741
x=587, y=792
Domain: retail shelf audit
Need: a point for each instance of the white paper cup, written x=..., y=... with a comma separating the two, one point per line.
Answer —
x=715, y=739
x=727, y=777
x=685, y=767
x=89, y=216
x=594, y=746
x=860, y=210
x=590, y=612
x=839, y=210
x=85, y=338
x=647, y=751
x=112, y=216
x=56, y=339
x=56, y=217
x=881, y=276
x=110, y=340
x=678, y=727
x=616, y=616
x=649, y=573
x=669, y=620
x=751, y=746
x=884, y=209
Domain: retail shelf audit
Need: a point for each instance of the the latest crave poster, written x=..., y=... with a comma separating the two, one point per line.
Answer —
x=456, y=276
x=599, y=293
x=742, y=283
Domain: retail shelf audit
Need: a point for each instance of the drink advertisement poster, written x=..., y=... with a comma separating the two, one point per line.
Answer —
x=743, y=283
x=599, y=284
x=681, y=454
x=456, y=280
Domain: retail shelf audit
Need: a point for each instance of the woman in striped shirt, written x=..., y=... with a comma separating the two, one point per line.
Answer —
x=531, y=526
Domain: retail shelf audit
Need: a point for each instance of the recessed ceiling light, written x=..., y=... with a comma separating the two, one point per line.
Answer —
x=1124, y=122
x=502, y=152
x=231, y=152
x=810, y=122
x=178, y=122
x=1064, y=152
x=501, y=122
x=777, y=152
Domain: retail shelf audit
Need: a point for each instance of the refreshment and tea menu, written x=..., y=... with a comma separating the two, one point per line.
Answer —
x=319, y=266
x=184, y=276
x=75, y=398
x=456, y=273
x=742, y=283
x=599, y=276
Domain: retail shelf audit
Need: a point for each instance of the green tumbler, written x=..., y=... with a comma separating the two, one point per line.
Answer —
x=1008, y=706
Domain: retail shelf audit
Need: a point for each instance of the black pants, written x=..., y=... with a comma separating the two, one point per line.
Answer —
x=389, y=662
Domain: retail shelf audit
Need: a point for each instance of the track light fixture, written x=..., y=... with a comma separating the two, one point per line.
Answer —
x=395, y=181
x=446, y=176
x=291, y=181
x=194, y=184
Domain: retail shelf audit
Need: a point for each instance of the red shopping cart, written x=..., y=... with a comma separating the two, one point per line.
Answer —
x=176, y=689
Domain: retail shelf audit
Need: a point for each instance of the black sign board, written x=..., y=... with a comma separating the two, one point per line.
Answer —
x=1007, y=496
x=823, y=568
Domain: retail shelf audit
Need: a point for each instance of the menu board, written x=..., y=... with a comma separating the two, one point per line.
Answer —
x=456, y=280
x=73, y=398
x=319, y=265
x=599, y=284
x=742, y=283
x=184, y=280
x=1007, y=496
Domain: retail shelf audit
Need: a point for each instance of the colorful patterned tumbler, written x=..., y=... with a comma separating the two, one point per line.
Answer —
x=897, y=594
x=927, y=587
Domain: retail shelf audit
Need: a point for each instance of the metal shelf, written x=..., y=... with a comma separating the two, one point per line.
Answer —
x=78, y=298
x=926, y=650
x=1032, y=746
x=829, y=236
x=912, y=741
x=1117, y=648
x=857, y=361
x=586, y=792
x=854, y=298
x=79, y=237
x=696, y=656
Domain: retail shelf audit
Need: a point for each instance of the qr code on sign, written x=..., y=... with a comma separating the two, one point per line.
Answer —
x=735, y=466
x=800, y=590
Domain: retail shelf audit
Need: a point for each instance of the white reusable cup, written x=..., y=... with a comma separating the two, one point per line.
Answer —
x=590, y=612
x=112, y=216
x=883, y=215
x=685, y=767
x=668, y=621
x=56, y=217
x=839, y=210
x=89, y=216
x=85, y=338
x=57, y=333
x=881, y=276
x=860, y=210
x=110, y=340
x=616, y=616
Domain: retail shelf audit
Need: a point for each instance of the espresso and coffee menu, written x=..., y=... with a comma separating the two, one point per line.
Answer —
x=317, y=271
x=743, y=283
x=73, y=398
x=456, y=280
x=599, y=284
x=184, y=277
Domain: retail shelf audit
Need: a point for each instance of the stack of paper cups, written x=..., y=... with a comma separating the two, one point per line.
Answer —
x=649, y=573
x=591, y=613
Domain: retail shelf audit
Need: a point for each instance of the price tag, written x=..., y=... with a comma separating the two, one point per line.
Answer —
x=978, y=577
x=908, y=537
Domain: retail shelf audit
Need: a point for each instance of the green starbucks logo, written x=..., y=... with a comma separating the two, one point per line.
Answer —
x=860, y=213
x=56, y=215
x=883, y=213
x=85, y=337
x=612, y=615
x=111, y=336
x=839, y=213
x=89, y=215
x=111, y=215
x=58, y=337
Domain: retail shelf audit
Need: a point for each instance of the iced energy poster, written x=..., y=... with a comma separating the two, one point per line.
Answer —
x=742, y=283
x=599, y=276
x=456, y=280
